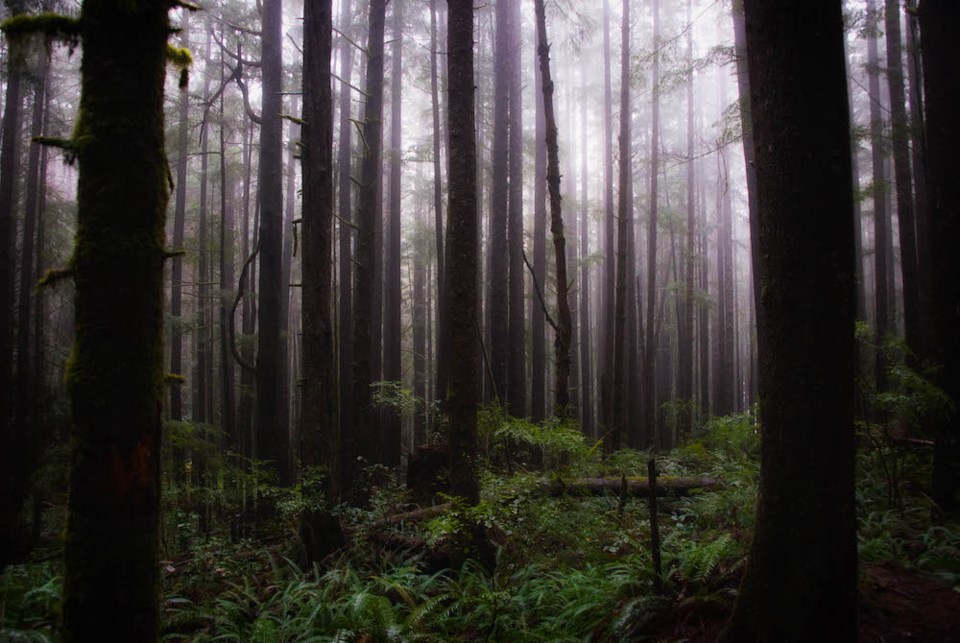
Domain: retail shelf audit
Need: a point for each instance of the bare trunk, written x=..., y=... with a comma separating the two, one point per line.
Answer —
x=881, y=217
x=345, y=258
x=516, y=359
x=462, y=261
x=390, y=431
x=366, y=339
x=562, y=340
x=805, y=396
x=648, y=387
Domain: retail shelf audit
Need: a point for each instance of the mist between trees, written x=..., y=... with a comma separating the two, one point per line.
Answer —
x=293, y=250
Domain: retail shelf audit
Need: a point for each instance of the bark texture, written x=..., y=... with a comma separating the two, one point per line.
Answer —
x=805, y=532
x=115, y=374
x=319, y=429
x=563, y=330
x=462, y=260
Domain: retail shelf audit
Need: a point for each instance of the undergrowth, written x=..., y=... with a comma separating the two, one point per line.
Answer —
x=568, y=567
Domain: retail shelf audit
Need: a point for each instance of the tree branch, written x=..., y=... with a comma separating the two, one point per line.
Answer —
x=241, y=290
x=536, y=287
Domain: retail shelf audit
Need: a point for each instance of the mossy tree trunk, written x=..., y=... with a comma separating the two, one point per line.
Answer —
x=176, y=263
x=115, y=374
x=801, y=580
x=563, y=337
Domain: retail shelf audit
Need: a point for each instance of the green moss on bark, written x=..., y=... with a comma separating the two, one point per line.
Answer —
x=115, y=374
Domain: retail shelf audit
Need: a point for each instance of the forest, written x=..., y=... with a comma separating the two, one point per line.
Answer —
x=442, y=320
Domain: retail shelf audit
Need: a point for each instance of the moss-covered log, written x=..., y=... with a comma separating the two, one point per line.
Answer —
x=666, y=486
x=115, y=372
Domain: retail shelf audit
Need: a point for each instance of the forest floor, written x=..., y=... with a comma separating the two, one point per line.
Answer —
x=570, y=566
x=896, y=605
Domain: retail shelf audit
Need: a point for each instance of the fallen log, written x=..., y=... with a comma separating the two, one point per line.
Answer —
x=666, y=486
x=417, y=515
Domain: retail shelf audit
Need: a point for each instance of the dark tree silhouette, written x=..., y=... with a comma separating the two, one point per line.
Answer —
x=942, y=93
x=903, y=178
x=366, y=302
x=462, y=251
x=497, y=274
x=345, y=241
x=806, y=524
x=115, y=378
x=273, y=438
x=319, y=429
x=881, y=215
x=12, y=437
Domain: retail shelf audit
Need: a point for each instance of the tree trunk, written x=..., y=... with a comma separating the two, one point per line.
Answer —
x=881, y=217
x=497, y=277
x=365, y=343
x=703, y=314
x=115, y=375
x=9, y=160
x=227, y=234
x=390, y=432
x=420, y=314
x=685, y=347
x=319, y=431
x=917, y=153
x=648, y=386
x=273, y=438
x=618, y=430
x=345, y=258
x=245, y=411
x=516, y=359
x=23, y=448
x=585, y=291
x=201, y=405
x=179, y=221
x=563, y=338
x=725, y=371
x=798, y=91
x=609, y=250
x=538, y=322
x=937, y=18
x=287, y=338
x=904, y=183
x=462, y=260
x=441, y=379
x=749, y=152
